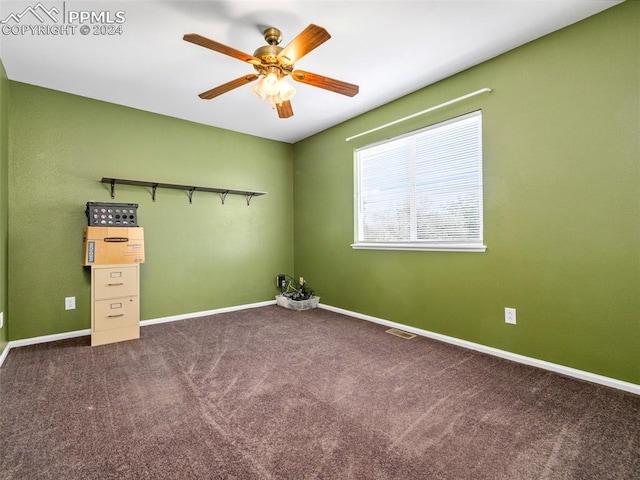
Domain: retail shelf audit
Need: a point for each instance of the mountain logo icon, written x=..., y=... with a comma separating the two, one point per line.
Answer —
x=39, y=11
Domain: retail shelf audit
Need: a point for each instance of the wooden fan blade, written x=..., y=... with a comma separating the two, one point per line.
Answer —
x=219, y=47
x=311, y=37
x=284, y=109
x=337, y=86
x=238, y=82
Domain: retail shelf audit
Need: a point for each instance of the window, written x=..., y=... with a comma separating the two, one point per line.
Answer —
x=422, y=190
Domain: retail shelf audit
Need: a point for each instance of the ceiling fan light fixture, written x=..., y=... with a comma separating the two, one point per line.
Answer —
x=286, y=90
x=273, y=89
x=257, y=89
x=271, y=84
x=274, y=100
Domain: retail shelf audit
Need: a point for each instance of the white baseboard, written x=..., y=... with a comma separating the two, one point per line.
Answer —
x=43, y=339
x=86, y=332
x=185, y=316
x=49, y=338
x=571, y=372
x=4, y=353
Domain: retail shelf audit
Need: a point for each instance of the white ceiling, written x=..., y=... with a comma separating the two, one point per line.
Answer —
x=388, y=48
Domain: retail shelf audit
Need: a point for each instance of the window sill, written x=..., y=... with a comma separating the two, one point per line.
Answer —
x=442, y=247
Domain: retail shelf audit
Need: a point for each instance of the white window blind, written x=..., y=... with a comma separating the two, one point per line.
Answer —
x=422, y=190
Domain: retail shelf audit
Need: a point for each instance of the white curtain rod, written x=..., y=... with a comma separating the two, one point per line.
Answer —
x=430, y=109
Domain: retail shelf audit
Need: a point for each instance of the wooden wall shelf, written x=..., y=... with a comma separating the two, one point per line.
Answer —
x=189, y=188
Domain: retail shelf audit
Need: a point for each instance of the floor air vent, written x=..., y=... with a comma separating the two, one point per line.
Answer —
x=400, y=333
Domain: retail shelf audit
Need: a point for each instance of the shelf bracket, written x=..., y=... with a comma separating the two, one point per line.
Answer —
x=190, y=193
x=154, y=187
x=249, y=197
x=113, y=188
x=224, y=195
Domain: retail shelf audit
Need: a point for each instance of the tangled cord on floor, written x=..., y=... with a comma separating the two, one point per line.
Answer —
x=291, y=288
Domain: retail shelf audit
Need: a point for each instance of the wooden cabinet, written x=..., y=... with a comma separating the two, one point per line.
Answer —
x=115, y=303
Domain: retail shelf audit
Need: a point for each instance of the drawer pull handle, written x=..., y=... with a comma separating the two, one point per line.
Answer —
x=117, y=315
x=114, y=284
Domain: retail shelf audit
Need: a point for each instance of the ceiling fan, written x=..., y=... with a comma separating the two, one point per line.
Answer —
x=273, y=64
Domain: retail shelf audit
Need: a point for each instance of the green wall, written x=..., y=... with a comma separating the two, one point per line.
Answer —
x=562, y=209
x=199, y=256
x=4, y=162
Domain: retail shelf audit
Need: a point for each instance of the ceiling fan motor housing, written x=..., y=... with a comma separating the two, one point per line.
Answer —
x=269, y=56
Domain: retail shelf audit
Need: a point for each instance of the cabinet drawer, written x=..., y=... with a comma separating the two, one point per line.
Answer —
x=116, y=313
x=115, y=282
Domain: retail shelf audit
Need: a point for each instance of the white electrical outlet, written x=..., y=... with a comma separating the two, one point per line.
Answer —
x=1, y=319
x=510, y=315
x=70, y=303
